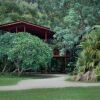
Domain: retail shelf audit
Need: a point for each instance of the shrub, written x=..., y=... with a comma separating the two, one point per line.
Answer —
x=97, y=71
x=24, y=50
x=89, y=57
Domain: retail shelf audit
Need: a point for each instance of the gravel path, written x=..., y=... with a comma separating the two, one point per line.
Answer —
x=54, y=82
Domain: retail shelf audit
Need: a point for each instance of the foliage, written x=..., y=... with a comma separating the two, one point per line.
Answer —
x=76, y=21
x=68, y=18
x=24, y=50
x=89, y=57
x=97, y=70
x=17, y=10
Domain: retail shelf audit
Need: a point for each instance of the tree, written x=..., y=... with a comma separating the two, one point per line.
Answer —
x=77, y=20
x=25, y=51
x=17, y=10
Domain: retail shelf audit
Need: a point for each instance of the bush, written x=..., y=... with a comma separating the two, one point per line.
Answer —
x=89, y=57
x=24, y=50
x=97, y=71
x=98, y=78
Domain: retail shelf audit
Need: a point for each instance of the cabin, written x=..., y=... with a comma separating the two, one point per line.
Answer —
x=43, y=33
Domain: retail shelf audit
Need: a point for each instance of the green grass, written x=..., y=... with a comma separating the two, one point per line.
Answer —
x=90, y=93
x=11, y=80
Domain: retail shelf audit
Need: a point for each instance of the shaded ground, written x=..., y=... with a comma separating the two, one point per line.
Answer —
x=14, y=79
x=55, y=81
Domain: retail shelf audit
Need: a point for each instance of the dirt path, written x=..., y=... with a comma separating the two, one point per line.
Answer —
x=54, y=82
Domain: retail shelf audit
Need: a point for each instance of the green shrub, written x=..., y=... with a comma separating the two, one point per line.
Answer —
x=97, y=71
x=88, y=63
x=24, y=50
x=89, y=57
x=98, y=78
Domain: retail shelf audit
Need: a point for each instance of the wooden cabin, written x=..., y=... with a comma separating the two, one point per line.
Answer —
x=43, y=33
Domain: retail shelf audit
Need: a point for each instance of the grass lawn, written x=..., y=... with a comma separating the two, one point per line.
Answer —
x=11, y=80
x=90, y=93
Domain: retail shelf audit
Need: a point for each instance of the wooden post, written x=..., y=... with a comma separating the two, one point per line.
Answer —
x=16, y=29
x=24, y=28
x=65, y=64
x=46, y=37
x=8, y=30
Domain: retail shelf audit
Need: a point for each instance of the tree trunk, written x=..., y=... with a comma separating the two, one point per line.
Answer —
x=20, y=72
x=15, y=71
x=17, y=67
x=4, y=68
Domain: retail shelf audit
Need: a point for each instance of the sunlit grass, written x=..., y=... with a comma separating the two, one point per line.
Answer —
x=90, y=93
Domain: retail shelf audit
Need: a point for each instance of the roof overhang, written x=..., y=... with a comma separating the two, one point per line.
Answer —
x=31, y=28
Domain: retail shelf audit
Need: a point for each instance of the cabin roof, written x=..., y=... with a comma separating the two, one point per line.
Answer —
x=30, y=27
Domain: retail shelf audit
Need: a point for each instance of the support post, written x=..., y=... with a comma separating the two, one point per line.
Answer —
x=24, y=28
x=65, y=64
x=16, y=29
x=46, y=37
